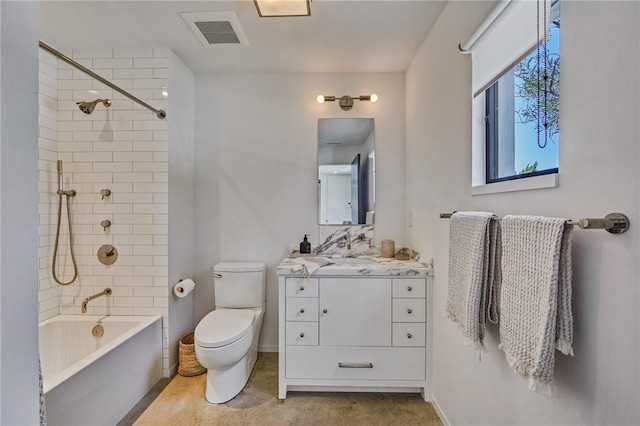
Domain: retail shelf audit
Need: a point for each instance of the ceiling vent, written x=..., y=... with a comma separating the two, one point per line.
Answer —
x=216, y=27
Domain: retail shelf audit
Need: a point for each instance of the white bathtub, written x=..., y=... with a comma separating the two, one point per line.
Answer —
x=96, y=380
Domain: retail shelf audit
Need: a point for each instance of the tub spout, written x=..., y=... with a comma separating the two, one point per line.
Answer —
x=106, y=292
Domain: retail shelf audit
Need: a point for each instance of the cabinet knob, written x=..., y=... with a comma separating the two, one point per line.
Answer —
x=409, y=310
x=409, y=336
x=301, y=288
x=301, y=334
x=409, y=288
x=324, y=310
x=302, y=310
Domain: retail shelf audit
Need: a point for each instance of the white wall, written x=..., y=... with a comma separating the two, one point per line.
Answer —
x=599, y=155
x=18, y=231
x=256, y=167
x=181, y=199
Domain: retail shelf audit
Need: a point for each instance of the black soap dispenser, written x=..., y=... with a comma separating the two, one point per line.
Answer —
x=305, y=245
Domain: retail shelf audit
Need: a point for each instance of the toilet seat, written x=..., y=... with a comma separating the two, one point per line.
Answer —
x=223, y=326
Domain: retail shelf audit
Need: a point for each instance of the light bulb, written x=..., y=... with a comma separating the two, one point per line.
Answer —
x=320, y=99
x=374, y=97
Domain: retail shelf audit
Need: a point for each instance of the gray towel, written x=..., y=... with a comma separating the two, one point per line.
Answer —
x=474, y=273
x=536, y=296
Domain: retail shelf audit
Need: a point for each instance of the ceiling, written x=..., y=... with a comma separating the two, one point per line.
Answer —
x=339, y=36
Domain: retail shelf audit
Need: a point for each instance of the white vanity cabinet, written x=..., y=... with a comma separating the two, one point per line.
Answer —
x=354, y=333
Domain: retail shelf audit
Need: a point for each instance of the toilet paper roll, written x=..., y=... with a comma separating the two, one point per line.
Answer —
x=184, y=287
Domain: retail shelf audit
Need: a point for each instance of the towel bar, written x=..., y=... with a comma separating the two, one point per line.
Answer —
x=615, y=223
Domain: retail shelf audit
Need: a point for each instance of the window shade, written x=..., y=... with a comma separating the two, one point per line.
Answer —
x=510, y=35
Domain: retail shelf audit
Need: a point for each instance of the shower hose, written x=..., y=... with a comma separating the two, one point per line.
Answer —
x=55, y=247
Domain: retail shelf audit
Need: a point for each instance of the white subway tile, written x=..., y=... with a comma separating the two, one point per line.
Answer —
x=105, y=73
x=150, y=146
x=140, y=229
x=65, y=74
x=75, y=147
x=160, y=260
x=135, y=260
x=137, y=302
x=90, y=94
x=133, y=115
x=151, y=208
x=164, y=312
x=133, y=177
x=65, y=136
x=91, y=53
x=155, y=166
x=143, y=135
x=150, y=187
x=116, y=188
x=159, y=62
x=151, y=292
x=133, y=73
x=150, y=83
x=161, y=281
x=143, y=94
x=75, y=126
x=161, y=177
x=150, y=125
x=112, y=146
x=161, y=73
x=132, y=156
x=161, y=219
x=113, y=270
x=93, y=177
x=113, y=167
x=133, y=52
x=92, y=156
x=75, y=84
x=137, y=198
x=48, y=133
x=161, y=52
x=64, y=116
x=45, y=154
x=112, y=208
x=161, y=156
x=133, y=218
x=113, y=63
x=47, y=144
x=160, y=302
x=133, y=281
x=151, y=250
x=150, y=270
x=160, y=198
x=112, y=125
x=121, y=228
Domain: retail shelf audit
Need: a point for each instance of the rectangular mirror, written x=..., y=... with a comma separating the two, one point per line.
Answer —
x=346, y=171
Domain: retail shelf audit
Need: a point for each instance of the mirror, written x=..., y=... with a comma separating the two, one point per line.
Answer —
x=346, y=171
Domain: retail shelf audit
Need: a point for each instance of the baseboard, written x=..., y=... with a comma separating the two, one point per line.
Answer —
x=439, y=411
x=267, y=348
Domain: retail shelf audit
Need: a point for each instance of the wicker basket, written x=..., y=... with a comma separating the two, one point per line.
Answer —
x=188, y=364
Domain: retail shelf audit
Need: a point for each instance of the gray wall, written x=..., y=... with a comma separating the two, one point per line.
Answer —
x=599, y=153
x=18, y=211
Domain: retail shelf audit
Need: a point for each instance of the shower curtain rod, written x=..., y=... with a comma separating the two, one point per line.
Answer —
x=159, y=113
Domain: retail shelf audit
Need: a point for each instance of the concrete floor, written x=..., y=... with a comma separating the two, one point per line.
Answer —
x=182, y=402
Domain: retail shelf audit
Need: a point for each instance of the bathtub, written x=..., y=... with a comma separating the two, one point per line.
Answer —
x=96, y=380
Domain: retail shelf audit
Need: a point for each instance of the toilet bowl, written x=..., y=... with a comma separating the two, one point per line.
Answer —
x=226, y=339
x=226, y=343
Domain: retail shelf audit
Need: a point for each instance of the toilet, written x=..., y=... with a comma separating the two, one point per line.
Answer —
x=226, y=339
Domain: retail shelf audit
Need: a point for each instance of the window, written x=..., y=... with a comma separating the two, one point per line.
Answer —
x=522, y=114
x=507, y=107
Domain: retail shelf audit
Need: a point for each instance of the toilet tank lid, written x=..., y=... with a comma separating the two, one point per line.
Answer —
x=239, y=267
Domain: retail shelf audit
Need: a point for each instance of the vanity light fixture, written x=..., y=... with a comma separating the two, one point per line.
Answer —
x=283, y=8
x=346, y=102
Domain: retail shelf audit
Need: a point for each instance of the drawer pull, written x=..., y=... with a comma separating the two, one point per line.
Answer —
x=409, y=288
x=301, y=334
x=301, y=288
x=355, y=365
x=302, y=310
x=409, y=336
x=409, y=311
x=324, y=311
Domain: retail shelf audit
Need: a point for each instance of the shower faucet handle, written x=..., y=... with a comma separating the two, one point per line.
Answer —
x=105, y=224
x=105, y=192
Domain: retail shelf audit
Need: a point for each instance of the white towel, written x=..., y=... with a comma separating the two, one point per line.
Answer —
x=536, y=296
x=474, y=278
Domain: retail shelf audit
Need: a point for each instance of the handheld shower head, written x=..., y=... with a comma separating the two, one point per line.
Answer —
x=88, y=107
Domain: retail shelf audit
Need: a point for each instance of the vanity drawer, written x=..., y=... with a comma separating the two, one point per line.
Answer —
x=302, y=287
x=301, y=309
x=358, y=363
x=407, y=310
x=409, y=287
x=409, y=334
x=302, y=333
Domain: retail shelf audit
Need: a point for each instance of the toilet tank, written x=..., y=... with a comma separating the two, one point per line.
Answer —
x=240, y=284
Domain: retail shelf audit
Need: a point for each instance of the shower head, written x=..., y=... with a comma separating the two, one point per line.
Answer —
x=88, y=107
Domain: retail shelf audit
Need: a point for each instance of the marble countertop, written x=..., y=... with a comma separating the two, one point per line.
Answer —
x=371, y=265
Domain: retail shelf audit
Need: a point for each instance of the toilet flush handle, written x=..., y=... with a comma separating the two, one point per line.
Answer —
x=217, y=276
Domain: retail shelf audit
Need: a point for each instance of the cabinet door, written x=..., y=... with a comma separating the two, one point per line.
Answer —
x=355, y=311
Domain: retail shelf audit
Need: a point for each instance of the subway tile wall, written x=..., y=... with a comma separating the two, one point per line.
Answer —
x=123, y=148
